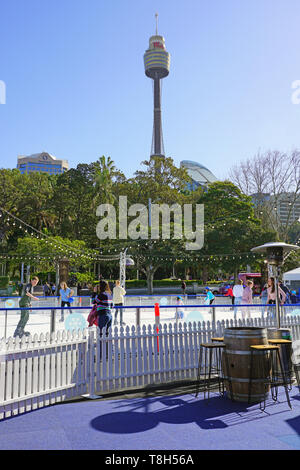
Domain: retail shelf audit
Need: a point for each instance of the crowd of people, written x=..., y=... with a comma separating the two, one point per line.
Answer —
x=241, y=294
x=104, y=300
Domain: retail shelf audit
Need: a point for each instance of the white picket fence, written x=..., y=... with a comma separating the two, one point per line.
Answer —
x=47, y=369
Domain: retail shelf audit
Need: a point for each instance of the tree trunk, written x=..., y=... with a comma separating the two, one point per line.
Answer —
x=235, y=275
x=150, y=276
x=204, y=274
x=264, y=274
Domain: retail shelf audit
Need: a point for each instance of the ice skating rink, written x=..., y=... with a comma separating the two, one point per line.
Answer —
x=193, y=309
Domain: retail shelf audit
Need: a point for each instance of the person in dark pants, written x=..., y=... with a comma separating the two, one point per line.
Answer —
x=47, y=289
x=183, y=287
x=104, y=304
x=25, y=303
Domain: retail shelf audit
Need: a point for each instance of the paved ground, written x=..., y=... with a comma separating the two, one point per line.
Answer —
x=161, y=419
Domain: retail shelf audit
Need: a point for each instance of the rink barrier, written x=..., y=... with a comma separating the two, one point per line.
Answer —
x=137, y=308
x=46, y=369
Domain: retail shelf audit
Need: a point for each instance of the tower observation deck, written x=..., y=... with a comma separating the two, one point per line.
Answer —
x=157, y=65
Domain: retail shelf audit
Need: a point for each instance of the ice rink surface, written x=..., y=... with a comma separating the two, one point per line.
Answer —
x=193, y=309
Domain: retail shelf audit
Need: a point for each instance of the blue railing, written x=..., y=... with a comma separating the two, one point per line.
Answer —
x=47, y=321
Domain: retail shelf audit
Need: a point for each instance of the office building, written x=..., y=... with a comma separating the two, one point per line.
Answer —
x=42, y=162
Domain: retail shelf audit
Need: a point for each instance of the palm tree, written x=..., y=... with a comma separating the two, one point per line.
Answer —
x=105, y=170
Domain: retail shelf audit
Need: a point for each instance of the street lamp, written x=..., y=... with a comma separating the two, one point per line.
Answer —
x=125, y=261
x=275, y=256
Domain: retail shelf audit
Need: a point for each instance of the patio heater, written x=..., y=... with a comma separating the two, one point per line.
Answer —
x=275, y=256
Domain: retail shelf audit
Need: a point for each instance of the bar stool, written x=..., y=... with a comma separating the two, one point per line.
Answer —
x=212, y=354
x=218, y=339
x=267, y=372
x=286, y=358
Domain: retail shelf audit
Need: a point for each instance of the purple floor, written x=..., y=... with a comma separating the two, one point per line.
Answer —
x=157, y=423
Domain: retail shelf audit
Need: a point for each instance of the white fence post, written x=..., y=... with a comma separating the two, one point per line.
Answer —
x=91, y=376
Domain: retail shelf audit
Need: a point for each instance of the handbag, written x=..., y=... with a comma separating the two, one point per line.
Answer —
x=92, y=318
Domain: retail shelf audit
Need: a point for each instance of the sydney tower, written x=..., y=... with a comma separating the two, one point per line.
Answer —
x=157, y=65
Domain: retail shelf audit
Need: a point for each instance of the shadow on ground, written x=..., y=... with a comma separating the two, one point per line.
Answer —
x=146, y=413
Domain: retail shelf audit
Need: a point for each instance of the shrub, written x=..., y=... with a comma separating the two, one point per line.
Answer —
x=43, y=276
x=4, y=280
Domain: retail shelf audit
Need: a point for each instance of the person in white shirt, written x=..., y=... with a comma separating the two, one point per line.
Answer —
x=118, y=300
x=238, y=290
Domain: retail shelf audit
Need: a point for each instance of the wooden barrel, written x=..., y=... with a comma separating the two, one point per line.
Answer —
x=236, y=363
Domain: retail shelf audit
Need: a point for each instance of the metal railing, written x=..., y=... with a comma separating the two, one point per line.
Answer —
x=54, y=318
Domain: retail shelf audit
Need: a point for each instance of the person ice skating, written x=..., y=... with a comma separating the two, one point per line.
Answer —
x=209, y=299
x=247, y=299
x=25, y=302
x=288, y=294
x=183, y=287
x=286, y=290
x=230, y=294
x=65, y=294
x=294, y=299
x=264, y=299
x=118, y=300
x=237, y=290
x=179, y=314
x=47, y=289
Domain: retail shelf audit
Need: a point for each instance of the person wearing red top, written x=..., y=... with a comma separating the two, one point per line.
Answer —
x=230, y=294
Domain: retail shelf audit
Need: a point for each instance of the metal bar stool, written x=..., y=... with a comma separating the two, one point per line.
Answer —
x=286, y=358
x=267, y=373
x=220, y=339
x=212, y=355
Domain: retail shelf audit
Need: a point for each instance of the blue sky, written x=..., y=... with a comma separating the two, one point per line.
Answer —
x=76, y=87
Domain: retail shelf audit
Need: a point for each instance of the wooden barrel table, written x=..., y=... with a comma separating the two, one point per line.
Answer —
x=236, y=363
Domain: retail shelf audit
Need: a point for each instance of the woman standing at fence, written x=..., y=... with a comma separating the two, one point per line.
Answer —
x=104, y=304
x=272, y=296
x=65, y=295
x=247, y=299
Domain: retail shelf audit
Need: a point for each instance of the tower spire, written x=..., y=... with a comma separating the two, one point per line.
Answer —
x=157, y=64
